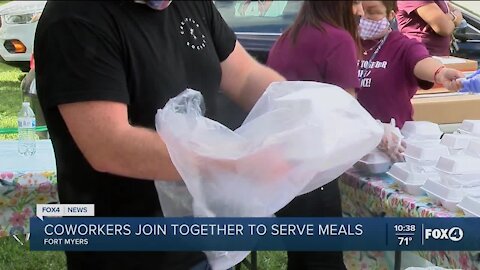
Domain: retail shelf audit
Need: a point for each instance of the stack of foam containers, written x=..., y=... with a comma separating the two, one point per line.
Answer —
x=423, y=149
x=376, y=162
x=470, y=127
x=446, y=168
x=458, y=185
x=421, y=131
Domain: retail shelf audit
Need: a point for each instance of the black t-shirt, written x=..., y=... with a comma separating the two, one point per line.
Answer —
x=129, y=53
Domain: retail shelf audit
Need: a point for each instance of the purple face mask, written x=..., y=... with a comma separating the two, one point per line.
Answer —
x=156, y=4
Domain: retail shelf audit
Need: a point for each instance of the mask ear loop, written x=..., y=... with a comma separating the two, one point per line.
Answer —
x=393, y=21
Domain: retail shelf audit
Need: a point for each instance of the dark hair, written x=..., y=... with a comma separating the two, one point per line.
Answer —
x=336, y=13
x=390, y=5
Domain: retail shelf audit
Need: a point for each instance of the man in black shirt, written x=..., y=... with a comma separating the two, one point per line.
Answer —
x=103, y=69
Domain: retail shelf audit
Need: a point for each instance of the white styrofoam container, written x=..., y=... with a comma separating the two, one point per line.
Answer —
x=414, y=188
x=444, y=191
x=470, y=127
x=460, y=180
x=375, y=162
x=446, y=196
x=470, y=206
x=402, y=171
x=410, y=181
x=421, y=130
x=373, y=168
x=416, y=141
x=456, y=142
x=473, y=149
x=472, y=190
x=376, y=156
x=458, y=164
x=426, y=151
x=419, y=165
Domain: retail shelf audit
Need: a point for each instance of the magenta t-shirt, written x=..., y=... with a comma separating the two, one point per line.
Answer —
x=388, y=86
x=413, y=26
x=328, y=56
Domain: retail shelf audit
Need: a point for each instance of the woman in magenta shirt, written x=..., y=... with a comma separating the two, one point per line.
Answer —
x=394, y=66
x=320, y=46
x=430, y=22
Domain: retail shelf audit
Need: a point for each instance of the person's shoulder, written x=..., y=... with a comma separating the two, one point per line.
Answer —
x=397, y=36
x=402, y=44
x=88, y=11
x=337, y=33
x=402, y=4
x=410, y=6
x=203, y=7
x=402, y=40
x=330, y=33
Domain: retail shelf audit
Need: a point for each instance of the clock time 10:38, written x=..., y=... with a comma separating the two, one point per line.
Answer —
x=404, y=227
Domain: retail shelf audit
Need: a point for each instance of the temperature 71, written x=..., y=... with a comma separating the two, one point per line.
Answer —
x=404, y=240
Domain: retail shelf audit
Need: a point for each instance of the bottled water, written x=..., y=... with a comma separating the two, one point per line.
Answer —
x=26, y=131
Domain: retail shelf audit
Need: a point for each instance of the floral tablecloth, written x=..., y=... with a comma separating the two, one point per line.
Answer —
x=379, y=195
x=24, y=182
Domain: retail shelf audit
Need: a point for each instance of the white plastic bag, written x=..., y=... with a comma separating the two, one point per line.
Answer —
x=298, y=137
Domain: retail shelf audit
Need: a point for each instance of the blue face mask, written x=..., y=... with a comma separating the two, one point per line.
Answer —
x=156, y=4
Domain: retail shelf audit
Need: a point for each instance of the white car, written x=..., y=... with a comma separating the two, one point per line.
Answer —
x=18, y=21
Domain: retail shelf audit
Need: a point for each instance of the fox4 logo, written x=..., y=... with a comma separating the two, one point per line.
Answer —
x=454, y=234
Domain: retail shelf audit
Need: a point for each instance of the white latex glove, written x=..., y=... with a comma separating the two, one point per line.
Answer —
x=391, y=142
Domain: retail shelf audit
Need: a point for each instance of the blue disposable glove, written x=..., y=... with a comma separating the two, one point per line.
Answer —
x=472, y=83
x=473, y=74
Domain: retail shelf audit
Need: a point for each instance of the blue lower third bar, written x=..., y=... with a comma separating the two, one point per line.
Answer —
x=294, y=234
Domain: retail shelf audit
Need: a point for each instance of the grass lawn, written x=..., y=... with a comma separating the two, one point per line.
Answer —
x=10, y=98
x=14, y=256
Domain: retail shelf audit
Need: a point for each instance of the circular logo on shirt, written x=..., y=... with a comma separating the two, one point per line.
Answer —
x=191, y=30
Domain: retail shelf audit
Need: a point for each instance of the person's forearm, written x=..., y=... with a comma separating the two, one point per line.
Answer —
x=446, y=28
x=256, y=82
x=137, y=153
x=440, y=22
x=430, y=69
x=458, y=17
x=244, y=79
x=425, y=69
x=458, y=14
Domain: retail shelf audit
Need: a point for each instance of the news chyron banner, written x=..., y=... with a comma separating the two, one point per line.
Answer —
x=229, y=234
